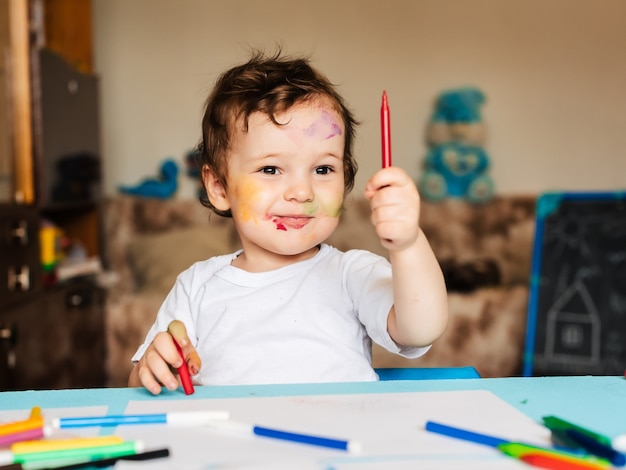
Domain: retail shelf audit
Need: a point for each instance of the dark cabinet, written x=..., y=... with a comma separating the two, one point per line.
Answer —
x=51, y=333
x=20, y=272
x=54, y=340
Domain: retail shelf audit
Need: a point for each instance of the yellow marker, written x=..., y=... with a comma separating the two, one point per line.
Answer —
x=48, y=445
x=35, y=413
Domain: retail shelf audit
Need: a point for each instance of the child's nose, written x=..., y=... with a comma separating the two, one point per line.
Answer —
x=300, y=190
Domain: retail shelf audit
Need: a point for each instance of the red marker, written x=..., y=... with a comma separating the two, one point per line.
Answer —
x=183, y=371
x=553, y=462
x=385, y=131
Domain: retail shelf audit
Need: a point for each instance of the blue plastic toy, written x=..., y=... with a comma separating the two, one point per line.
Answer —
x=161, y=187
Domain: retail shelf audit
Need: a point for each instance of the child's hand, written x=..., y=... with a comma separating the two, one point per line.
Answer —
x=154, y=368
x=395, y=205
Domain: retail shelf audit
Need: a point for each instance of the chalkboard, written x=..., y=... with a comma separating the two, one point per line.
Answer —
x=577, y=305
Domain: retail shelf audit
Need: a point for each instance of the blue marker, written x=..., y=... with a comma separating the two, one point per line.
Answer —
x=182, y=418
x=458, y=433
x=232, y=427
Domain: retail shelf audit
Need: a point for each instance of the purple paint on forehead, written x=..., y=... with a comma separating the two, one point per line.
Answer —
x=334, y=130
x=325, y=127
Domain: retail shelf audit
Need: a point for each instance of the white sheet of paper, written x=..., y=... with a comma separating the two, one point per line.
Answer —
x=389, y=427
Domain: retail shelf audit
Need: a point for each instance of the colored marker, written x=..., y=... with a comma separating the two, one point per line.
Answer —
x=108, y=462
x=551, y=459
x=484, y=439
x=181, y=418
x=183, y=372
x=619, y=443
x=385, y=131
x=28, y=435
x=554, y=423
x=458, y=433
x=35, y=413
x=87, y=453
x=556, y=463
x=580, y=440
x=48, y=445
x=12, y=466
x=248, y=429
x=20, y=426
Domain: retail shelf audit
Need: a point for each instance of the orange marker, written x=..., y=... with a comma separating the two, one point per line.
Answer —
x=21, y=426
x=183, y=371
x=385, y=131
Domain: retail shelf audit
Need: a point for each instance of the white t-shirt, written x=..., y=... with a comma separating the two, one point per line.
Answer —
x=307, y=322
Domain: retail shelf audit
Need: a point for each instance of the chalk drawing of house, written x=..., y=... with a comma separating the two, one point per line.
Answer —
x=573, y=330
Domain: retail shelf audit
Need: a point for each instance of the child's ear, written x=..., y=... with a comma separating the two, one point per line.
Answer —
x=215, y=189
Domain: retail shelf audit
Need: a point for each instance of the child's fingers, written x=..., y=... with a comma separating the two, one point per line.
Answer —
x=193, y=361
x=392, y=176
x=148, y=381
x=177, y=330
x=154, y=370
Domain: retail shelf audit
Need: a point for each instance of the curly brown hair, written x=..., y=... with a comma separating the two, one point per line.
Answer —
x=271, y=85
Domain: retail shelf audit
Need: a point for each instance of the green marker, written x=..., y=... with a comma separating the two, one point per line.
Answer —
x=85, y=453
x=557, y=424
x=517, y=450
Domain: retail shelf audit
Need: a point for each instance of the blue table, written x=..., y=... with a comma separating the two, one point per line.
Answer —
x=595, y=402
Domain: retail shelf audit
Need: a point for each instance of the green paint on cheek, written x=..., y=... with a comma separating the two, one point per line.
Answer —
x=330, y=209
x=333, y=209
x=310, y=208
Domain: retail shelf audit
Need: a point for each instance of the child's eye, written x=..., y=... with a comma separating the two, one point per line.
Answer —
x=268, y=170
x=324, y=170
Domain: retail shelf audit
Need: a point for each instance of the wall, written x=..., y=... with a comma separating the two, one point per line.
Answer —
x=554, y=73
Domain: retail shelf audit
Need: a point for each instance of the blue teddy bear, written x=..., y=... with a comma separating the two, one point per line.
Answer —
x=456, y=164
x=457, y=118
x=458, y=170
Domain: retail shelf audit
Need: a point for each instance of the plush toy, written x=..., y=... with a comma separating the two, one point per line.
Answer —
x=457, y=170
x=457, y=117
x=456, y=163
x=162, y=187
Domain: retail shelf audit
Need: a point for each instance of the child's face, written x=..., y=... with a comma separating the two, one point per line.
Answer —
x=286, y=183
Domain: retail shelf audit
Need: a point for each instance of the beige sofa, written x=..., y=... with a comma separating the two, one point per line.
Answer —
x=485, y=251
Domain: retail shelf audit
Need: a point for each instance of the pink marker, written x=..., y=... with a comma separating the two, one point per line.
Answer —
x=26, y=435
x=385, y=131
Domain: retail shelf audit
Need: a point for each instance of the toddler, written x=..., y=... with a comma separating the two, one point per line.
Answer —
x=287, y=308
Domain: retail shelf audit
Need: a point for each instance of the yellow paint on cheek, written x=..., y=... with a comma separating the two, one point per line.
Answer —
x=246, y=191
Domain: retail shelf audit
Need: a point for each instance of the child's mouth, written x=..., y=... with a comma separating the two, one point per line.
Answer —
x=290, y=222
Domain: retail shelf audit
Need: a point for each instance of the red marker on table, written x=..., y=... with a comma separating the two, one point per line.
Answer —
x=561, y=463
x=385, y=131
x=183, y=371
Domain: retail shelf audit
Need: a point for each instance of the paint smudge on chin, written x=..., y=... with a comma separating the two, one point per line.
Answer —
x=324, y=128
x=280, y=226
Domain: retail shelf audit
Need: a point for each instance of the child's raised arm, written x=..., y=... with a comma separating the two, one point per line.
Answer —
x=420, y=312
